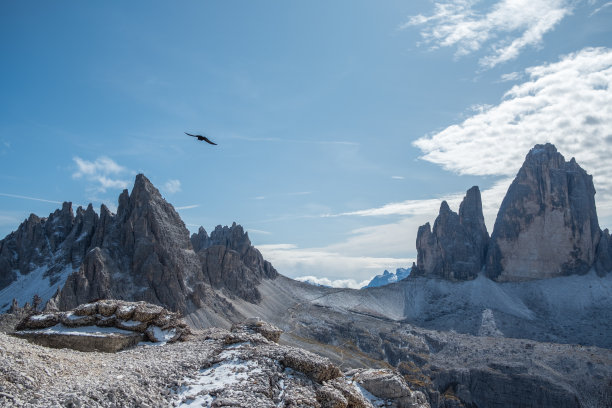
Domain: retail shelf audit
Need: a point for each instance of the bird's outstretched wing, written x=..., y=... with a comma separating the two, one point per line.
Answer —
x=200, y=137
x=207, y=140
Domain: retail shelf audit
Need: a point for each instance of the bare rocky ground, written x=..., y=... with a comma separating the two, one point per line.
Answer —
x=474, y=371
x=215, y=368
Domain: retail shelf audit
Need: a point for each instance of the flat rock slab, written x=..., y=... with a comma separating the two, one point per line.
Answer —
x=104, y=342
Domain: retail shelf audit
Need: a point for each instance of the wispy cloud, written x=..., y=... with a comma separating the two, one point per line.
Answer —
x=30, y=198
x=398, y=177
x=172, y=186
x=568, y=103
x=187, y=207
x=511, y=76
x=506, y=28
x=598, y=9
x=104, y=173
x=257, y=231
x=8, y=220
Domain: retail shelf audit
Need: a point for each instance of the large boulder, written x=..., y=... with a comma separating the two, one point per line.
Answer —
x=455, y=249
x=106, y=325
x=547, y=224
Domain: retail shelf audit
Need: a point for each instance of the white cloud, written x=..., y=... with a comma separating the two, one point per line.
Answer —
x=172, y=186
x=257, y=231
x=336, y=283
x=30, y=198
x=506, y=28
x=9, y=220
x=511, y=76
x=567, y=103
x=292, y=261
x=597, y=10
x=103, y=172
x=397, y=177
x=187, y=207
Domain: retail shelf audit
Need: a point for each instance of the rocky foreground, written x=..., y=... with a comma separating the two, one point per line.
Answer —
x=215, y=368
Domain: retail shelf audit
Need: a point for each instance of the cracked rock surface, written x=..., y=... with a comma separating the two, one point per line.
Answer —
x=216, y=368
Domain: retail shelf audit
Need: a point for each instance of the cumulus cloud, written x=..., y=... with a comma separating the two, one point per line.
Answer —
x=337, y=283
x=104, y=173
x=506, y=28
x=567, y=103
x=172, y=186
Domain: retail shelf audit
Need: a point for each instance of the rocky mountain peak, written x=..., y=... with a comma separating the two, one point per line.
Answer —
x=230, y=262
x=445, y=209
x=142, y=253
x=233, y=237
x=456, y=247
x=201, y=240
x=547, y=224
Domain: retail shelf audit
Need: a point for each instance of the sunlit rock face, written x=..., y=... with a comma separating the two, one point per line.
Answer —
x=456, y=247
x=547, y=224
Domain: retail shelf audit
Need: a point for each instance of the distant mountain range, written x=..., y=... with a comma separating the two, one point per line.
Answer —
x=388, y=277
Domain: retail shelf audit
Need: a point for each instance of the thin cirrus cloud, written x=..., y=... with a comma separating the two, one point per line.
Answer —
x=567, y=103
x=603, y=7
x=172, y=186
x=505, y=29
x=103, y=173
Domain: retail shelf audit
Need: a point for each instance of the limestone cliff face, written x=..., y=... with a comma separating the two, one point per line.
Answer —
x=230, y=262
x=455, y=249
x=142, y=253
x=547, y=224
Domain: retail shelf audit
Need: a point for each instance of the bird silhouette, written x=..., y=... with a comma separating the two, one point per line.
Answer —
x=200, y=137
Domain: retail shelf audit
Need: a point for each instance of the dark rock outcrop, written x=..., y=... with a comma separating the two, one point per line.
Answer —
x=230, y=262
x=547, y=224
x=456, y=247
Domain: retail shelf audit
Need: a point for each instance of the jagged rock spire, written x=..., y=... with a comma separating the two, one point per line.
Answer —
x=547, y=224
x=456, y=247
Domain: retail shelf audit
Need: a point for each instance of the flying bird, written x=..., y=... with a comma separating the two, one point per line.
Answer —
x=200, y=137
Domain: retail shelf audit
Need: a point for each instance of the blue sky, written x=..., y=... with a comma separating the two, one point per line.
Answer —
x=340, y=125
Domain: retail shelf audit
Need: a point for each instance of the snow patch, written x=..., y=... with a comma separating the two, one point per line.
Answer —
x=93, y=331
x=163, y=335
x=131, y=323
x=34, y=283
x=196, y=391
